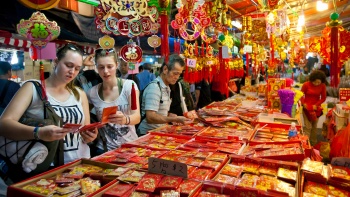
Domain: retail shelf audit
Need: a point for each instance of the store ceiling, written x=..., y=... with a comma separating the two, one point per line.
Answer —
x=315, y=21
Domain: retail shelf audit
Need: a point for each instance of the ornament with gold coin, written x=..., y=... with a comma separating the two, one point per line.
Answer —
x=154, y=41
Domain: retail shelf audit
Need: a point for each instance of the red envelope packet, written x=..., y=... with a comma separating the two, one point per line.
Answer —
x=169, y=193
x=316, y=188
x=169, y=183
x=251, y=167
x=268, y=170
x=225, y=179
x=149, y=183
x=132, y=176
x=90, y=126
x=72, y=127
x=119, y=190
x=208, y=194
x=200, y=174
x=125, y=155
x=195, y=162
x=232, y=170
x=139, y=194
x=217, y=157
x=188, y=186
x=210, y=164
x=140, y=160
x=108, y=111
x=202, y=155
x=116, y=172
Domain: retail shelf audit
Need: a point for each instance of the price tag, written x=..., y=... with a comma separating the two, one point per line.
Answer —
x=191, y=63
x=341, y=161
x=247, y=49
x=210, y=62
x=235, y=50
x=225, y=54
x=162, y=166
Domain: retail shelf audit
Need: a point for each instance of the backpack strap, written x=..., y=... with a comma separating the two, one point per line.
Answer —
x=3, y=92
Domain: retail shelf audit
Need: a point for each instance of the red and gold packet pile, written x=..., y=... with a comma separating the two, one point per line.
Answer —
x=324, y=190
x=200, y=174
x=232, y=170
x=312, y=166
x=209, y=194
x=266, y=183
x=119, y=190
x=339, y=173
x=132, y=176
x=188, y=187
x=149, y=183
x=287, y=174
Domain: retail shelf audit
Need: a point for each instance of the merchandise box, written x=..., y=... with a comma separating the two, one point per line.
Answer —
x=185, y=131
x=16, y=189
x=275, y=122
x=298, y=156
x=338, y=189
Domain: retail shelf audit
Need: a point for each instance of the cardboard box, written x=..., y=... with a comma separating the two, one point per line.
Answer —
x=16, y=190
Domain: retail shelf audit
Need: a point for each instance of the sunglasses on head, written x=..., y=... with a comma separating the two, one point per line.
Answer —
x=70, y=47
x=104, y=51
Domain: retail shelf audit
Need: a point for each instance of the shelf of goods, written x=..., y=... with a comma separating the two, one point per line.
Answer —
x=227, y=153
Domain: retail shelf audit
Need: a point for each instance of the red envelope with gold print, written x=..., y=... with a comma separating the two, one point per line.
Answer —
x=149, y=182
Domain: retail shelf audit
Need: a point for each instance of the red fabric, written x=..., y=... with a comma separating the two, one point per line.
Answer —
x=133, y=98
x=312, y=94
x=334, y=57
x=164, y=29
x=340, y=145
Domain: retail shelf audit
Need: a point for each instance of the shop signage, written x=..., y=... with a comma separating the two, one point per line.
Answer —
x=191, y=63
x=247, y=49
x=167, y=167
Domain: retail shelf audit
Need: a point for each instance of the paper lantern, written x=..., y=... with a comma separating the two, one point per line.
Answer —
x=131, y=52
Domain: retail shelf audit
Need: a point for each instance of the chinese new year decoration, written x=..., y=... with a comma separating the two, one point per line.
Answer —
x=332, y=46
x=40, y=4
x=131, y=52
x=154, y=41
x=38, y=29
x=126, y=17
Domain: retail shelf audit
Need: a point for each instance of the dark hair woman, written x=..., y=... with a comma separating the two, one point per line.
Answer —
x=314, y=95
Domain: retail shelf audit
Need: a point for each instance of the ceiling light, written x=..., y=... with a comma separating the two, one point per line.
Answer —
x=301, y=19
x=321, y=6
x=236, y=24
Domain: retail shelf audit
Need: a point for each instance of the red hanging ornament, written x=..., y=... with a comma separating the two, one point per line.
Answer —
x=133, y=98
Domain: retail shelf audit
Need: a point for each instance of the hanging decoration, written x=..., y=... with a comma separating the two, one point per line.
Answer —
x=106, y=42
x=191, y=12
x=154, y=41
x=38, y=29
x=164, y=30
x=131, y=52
x=126, y=17
x=40, y=4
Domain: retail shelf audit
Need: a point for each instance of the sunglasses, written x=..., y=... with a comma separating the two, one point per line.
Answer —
x=70, y=47
x=104, y=51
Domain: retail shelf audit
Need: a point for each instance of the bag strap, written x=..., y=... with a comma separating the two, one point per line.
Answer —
x=182, y=99
x=3, y=92
x=120, y=85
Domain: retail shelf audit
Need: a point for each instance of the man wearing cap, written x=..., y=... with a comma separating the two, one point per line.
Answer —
x=145, y=77
x=8, y=88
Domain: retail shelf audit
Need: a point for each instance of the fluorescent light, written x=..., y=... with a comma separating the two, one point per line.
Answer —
x=321, y=6
x=14, y=59
x=299, y=28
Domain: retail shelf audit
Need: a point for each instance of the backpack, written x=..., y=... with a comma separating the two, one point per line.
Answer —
x=140, y=100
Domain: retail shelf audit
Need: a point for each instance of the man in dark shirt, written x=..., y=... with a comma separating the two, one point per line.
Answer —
x=124, y=72
x=203, y=94
x=8, y=88
x=311, y=62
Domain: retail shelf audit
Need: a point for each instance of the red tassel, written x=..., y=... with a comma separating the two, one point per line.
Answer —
x=42, y=76
x=133, y=98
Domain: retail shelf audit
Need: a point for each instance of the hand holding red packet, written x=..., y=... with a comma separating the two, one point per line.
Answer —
x=108, y=111
x=72, y=127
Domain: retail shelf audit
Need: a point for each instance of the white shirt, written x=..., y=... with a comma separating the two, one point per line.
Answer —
x=116, y=134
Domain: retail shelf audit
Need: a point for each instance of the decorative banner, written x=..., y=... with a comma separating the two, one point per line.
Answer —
x=47, y=53
x=40, y=4
x=131, y=52
x=136, y=18
x=38, y=29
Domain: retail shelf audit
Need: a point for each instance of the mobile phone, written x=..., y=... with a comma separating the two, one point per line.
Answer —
x=108, y=111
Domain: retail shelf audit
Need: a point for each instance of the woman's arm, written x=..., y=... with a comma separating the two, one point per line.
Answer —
x=13, y=130
x=89, y=135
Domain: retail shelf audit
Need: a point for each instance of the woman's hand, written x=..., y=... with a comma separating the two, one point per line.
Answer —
x=89, y=135
x=117, y=118
x=52, y=133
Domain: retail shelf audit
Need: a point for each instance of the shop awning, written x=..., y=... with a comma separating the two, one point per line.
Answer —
x=15, y=43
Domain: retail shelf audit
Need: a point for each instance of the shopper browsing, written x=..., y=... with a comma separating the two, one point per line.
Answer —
x=314, y=95
x=156, y=97
x=68, y=101
x=114, y=91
